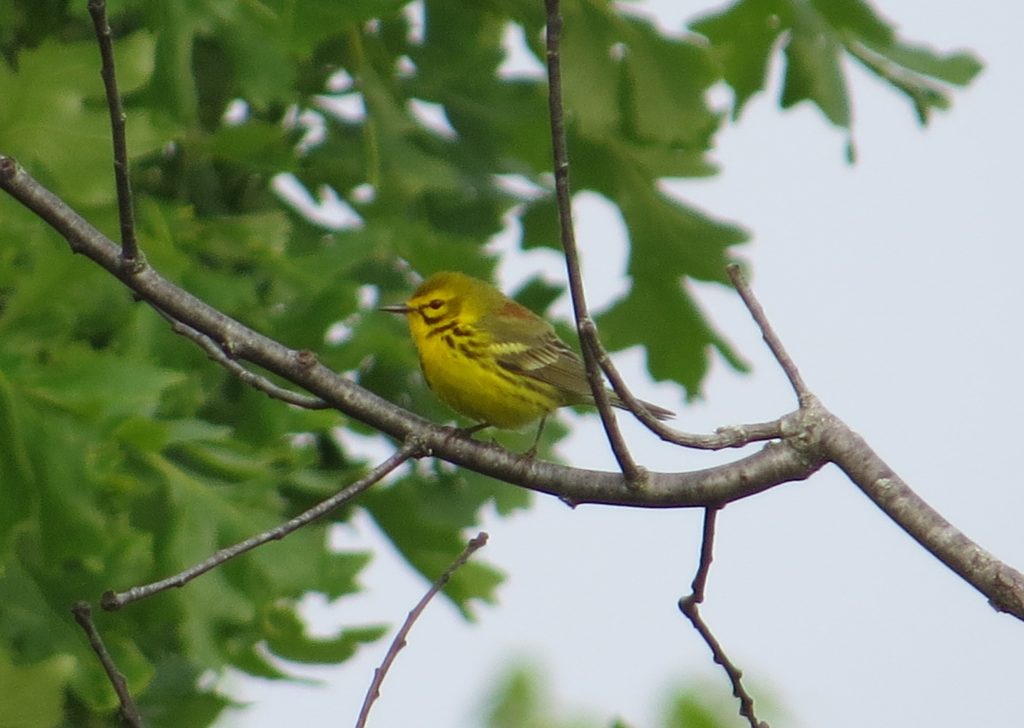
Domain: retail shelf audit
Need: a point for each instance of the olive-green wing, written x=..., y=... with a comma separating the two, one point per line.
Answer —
x=522, y=342
x=527, y=344
x=548, y=360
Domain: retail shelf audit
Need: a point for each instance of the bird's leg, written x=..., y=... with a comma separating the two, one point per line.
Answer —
x=529, y=454
x=472, y=429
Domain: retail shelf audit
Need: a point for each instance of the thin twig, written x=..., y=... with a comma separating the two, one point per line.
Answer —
x=768, y=333
x=707, y=555
x=724, y=437
x=399, y=642
x=112, y=600
x=584, y=324
x=82, y=612
x=217, y=355
x=126, y=213
x=690, y=606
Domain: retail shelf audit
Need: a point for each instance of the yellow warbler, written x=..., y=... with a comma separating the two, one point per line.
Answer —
x=490, y=358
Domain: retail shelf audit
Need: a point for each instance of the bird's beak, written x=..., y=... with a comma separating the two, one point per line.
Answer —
x=396, y=308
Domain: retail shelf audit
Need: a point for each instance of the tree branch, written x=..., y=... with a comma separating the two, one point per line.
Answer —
x=595, y=356
x=810, y=437
x=585, y=327
x=690, y=607
x=218, y=356
x=125, y=209
x=1001, y=583
x=128, y=710
x=474, y=545
x=768, y=333
x=112, y=601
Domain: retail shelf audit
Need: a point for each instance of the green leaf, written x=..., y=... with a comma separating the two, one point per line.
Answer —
x=742, y=39
x=665, y=81
x=502, y=125
x=32, y=695
x=54, y=124
x=516, y=701
x=813, y=71
x=16, y=470
x=537, y=294
x=90, y=384
x=591, y=72
x=819, y=33
x=899, y=64
x=854, y=17
x=312, y=22
x=539, y=221
x=959, y=68
x=622, y=75
x=286, y=637
x=173, y=698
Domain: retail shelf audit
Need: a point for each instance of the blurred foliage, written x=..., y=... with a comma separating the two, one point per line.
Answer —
x=815, y=37
x=126, y=456
x=523, y=698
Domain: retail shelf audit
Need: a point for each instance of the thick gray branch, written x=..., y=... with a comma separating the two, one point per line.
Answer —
x=1002, y=584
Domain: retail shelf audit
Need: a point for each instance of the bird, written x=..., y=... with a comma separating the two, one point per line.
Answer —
x=493, y=360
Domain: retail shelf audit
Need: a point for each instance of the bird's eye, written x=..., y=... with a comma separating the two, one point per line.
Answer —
x=436, y=303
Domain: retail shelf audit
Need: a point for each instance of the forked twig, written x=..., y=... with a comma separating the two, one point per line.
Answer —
x=398, y=643
x=112, y=600
x=737, y=435
x=595, y=356
x=690, y=606
x=82, y=612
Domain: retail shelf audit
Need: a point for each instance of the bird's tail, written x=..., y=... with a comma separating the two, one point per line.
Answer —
x=658, y=412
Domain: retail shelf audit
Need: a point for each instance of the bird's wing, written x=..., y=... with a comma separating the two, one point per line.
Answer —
x=525, y=344
x=547, y=359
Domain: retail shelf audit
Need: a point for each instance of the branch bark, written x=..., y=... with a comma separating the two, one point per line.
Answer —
x=811, y=436
x=1002, y=584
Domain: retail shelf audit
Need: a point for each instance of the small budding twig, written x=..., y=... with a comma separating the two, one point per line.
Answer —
x=690, y=607
x=112, y=601
x=128, y=710
x=398, y=642
x=768, y=334
x=125, y=205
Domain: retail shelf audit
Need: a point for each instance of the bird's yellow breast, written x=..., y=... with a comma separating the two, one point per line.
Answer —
x=459, y=365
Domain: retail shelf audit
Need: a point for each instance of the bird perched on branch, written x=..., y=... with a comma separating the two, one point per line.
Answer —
x=492, y=359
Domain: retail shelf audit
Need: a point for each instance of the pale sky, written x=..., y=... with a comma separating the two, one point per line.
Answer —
x=895, y=285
